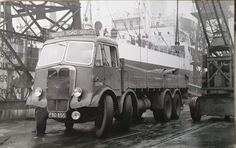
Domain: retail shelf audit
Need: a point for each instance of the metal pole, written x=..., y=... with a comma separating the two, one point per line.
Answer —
x=177, y=25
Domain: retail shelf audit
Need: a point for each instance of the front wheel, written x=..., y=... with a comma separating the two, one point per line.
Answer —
x=41, y=116
x=103, y=122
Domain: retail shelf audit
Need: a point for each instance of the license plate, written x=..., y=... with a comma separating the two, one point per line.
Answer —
x=57, y=115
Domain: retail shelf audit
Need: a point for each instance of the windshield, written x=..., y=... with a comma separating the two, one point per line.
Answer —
x=71, y=52
x=79, y=52
x=52, y=53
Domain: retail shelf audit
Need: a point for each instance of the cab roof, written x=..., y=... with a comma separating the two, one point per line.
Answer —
x=82, y=38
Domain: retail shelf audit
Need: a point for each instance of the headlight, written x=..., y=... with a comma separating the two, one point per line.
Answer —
x=77, y=92
x=38, y=92
x=75, y=115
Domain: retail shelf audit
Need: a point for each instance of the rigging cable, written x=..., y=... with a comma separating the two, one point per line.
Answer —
x=112, y=18
x=162, y=38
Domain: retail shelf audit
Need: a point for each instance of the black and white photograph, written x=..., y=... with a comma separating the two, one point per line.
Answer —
x=117, y=74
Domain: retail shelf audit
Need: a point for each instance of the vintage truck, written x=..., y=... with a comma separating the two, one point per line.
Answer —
x=80, y=77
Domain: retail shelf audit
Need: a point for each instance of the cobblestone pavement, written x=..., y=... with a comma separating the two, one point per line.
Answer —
x=210, y=132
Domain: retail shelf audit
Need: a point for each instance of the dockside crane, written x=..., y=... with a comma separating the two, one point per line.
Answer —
x=217, y=79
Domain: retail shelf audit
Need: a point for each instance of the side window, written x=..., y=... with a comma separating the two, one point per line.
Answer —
x=114, y=62
x=107, y=56
x=98, y=59
x=110, y=56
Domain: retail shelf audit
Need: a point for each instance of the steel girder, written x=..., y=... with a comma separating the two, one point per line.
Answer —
x=219, y=58
x=31, y=17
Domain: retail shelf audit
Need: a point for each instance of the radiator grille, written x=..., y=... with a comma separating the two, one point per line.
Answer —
x=57, y=105
x=58, y=86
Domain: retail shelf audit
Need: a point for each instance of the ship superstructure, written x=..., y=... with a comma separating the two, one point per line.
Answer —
x=152, y=40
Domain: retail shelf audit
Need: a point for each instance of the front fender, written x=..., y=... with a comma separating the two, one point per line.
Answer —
x=97, y=96
x=74, y=103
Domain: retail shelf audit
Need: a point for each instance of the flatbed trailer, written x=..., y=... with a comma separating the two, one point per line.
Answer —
x=152, y=85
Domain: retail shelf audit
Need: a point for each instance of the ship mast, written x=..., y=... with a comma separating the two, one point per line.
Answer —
x=177, y=25
x=86, y=19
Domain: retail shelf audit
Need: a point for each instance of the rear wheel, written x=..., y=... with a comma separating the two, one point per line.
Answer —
x=155, y=114
x=195, y=110
x=127, y=114
x=103, y=123
x=41, y=116
x=164, y=114
x=176, y=106
x=138, y=117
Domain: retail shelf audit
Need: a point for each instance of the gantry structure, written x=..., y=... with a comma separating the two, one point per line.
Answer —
x=23, y=26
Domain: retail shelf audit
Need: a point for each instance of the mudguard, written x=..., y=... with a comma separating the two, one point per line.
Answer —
x=74, y=103
x=98, y=95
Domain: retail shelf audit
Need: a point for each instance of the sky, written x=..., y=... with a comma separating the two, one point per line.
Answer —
x=105, y=10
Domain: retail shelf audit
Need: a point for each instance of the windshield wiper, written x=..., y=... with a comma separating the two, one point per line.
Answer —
x=52, y=74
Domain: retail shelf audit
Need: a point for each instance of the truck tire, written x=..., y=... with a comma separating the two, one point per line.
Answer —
x=176, y=106
x=156, y=115
x=164, y=114
x=195, y=110
x=103, y=123
x=69, y=125
x=41, y=116
x=127, y=114
x=138, y=117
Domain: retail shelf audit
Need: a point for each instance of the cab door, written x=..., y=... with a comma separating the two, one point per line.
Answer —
x=99, y=69
x=112, y=68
